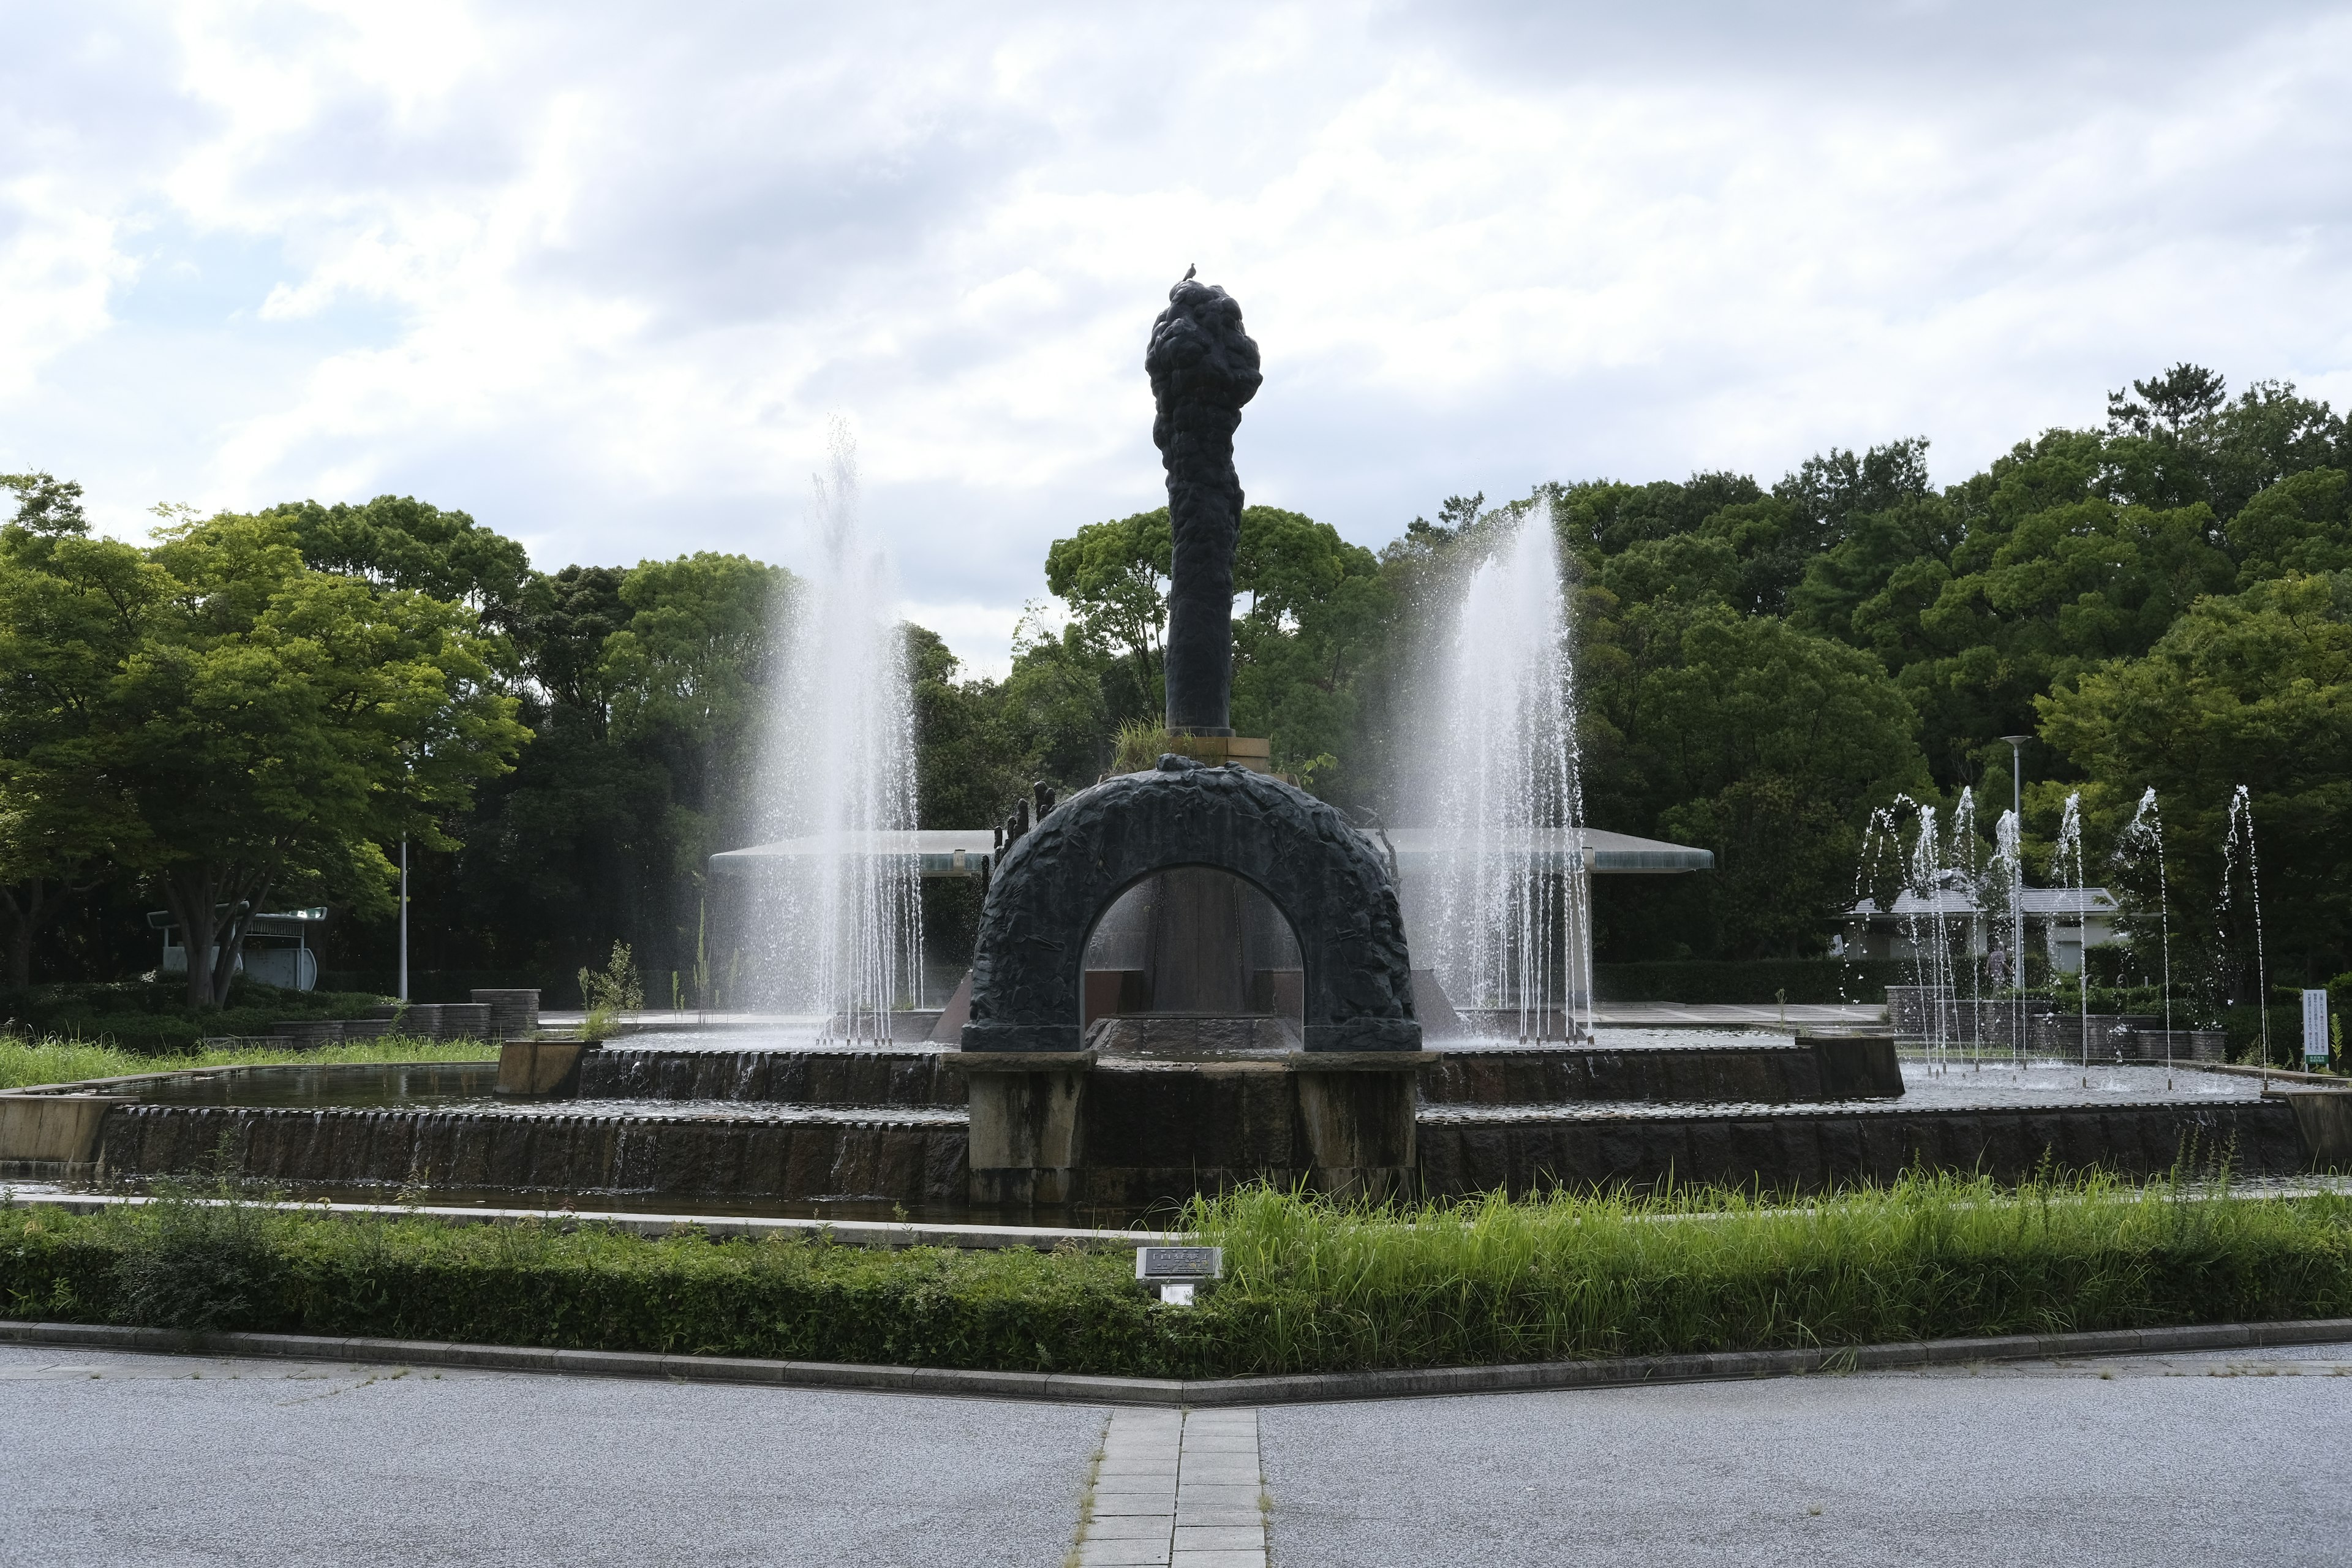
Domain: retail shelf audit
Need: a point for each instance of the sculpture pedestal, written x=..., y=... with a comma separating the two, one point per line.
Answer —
x=1126, y=1131
x=1027, y=1113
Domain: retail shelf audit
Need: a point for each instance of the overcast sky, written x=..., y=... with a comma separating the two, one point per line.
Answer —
x=598, y=274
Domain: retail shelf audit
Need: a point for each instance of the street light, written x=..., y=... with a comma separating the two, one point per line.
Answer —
x=2016, y=882
x=2017, y=776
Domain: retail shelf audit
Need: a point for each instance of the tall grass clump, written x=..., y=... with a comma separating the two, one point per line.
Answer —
x=1315, y=1285
x=27, y=1062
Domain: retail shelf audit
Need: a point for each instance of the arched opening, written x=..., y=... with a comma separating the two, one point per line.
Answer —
x=1194, y=940
x=1047, y=895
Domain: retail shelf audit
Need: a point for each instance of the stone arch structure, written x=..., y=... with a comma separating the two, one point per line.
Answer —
x=1056, y=882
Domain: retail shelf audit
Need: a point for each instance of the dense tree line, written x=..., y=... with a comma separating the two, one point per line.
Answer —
x=263, y=706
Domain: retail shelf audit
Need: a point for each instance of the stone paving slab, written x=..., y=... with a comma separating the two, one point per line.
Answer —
x=1177, y=1491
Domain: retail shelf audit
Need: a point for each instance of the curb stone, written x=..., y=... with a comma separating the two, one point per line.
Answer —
x=1174, y=1393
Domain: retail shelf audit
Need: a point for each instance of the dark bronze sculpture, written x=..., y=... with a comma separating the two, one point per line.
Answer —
x=1204, y=367
x=1058, y=870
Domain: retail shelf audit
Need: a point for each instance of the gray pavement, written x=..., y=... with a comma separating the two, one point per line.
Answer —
x=2240, y=1458
x=111, y=1457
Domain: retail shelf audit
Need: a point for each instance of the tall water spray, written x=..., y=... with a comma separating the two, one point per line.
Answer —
x=2238, y=849
x=2142, y=836
x=1968, y=875
x=1505, y=920
x=2007, y=873
x=843, y=922
x=2067, y=864
x=1913, y=885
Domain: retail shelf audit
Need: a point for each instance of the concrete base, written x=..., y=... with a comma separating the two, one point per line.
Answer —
x=1027, y=1120
x=538, y=1068
x=58, y=1129
x=1131, y=1129
x=2324, y=1118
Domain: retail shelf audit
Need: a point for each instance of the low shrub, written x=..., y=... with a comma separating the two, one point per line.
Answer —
x=154, y=1017
x=1312, y=1285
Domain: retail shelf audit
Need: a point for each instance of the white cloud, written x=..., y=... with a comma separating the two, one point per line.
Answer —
x=597, y=275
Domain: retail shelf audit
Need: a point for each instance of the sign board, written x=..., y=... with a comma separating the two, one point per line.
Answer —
x=2315, y=1025
x=1156, y=1264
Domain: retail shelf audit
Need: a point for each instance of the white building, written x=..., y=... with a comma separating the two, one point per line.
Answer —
x=2062, y=920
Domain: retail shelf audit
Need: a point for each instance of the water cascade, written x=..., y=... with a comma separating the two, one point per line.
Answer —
x=2238, y=849
x=1506, y=921
x=2067, y=862
x=843, y=930
x=2143, y=836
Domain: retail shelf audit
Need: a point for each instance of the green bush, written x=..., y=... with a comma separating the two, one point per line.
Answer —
x=1312, y=1285
x=143, y=1015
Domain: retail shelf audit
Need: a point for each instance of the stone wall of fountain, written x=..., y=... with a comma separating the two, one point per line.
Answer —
x=1804, y=1150
x=766, y=1074
x=844, y=1154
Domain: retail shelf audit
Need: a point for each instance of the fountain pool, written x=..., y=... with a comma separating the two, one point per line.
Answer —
x=740, y=1122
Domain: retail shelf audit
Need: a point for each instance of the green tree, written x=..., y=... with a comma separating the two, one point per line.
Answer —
x=689, y=679
x=2254, y=689
x=69, y=609
x=1317, y=607
x=399, y=542
x=1746, y=736
x=1114, y=577
x=264, y=726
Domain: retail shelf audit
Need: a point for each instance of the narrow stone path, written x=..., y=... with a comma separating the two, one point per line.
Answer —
x=1175, y=1490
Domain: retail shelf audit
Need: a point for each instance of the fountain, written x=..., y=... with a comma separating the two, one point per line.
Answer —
x=1508, y=931
x=2143, y=836
x=843, y=928
x=1022, y=1097
x=2238, y=849
x=2067, y=862
x=2009, y=854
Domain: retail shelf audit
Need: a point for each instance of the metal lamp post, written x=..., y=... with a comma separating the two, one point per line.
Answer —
x=2017, y=893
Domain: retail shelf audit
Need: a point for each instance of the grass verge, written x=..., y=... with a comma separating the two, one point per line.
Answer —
x=26, y=1062
x=1311, y=1287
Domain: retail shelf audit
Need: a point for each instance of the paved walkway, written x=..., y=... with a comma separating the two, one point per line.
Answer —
x=110, y=1458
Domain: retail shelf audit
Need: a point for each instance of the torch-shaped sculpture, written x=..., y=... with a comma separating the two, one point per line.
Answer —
x=1204, y=367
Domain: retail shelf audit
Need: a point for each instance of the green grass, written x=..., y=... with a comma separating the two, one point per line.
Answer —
x=1311, y=1286
x=23, y=1062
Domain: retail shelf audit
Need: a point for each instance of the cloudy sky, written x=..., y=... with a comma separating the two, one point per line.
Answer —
x=599, y=274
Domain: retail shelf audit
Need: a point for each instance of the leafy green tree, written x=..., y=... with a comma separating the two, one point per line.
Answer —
x=69, y=606
x=689, y=676
x=2254, y=689
x=1114, y=577
x=1746, y=736
x=399, y=542
x=258, y=728
x=1318, y=609
x=966, y=773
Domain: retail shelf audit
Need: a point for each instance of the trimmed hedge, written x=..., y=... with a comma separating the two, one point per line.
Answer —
x=1311, y=1286
x=154, y=1018
x=1808, y=980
